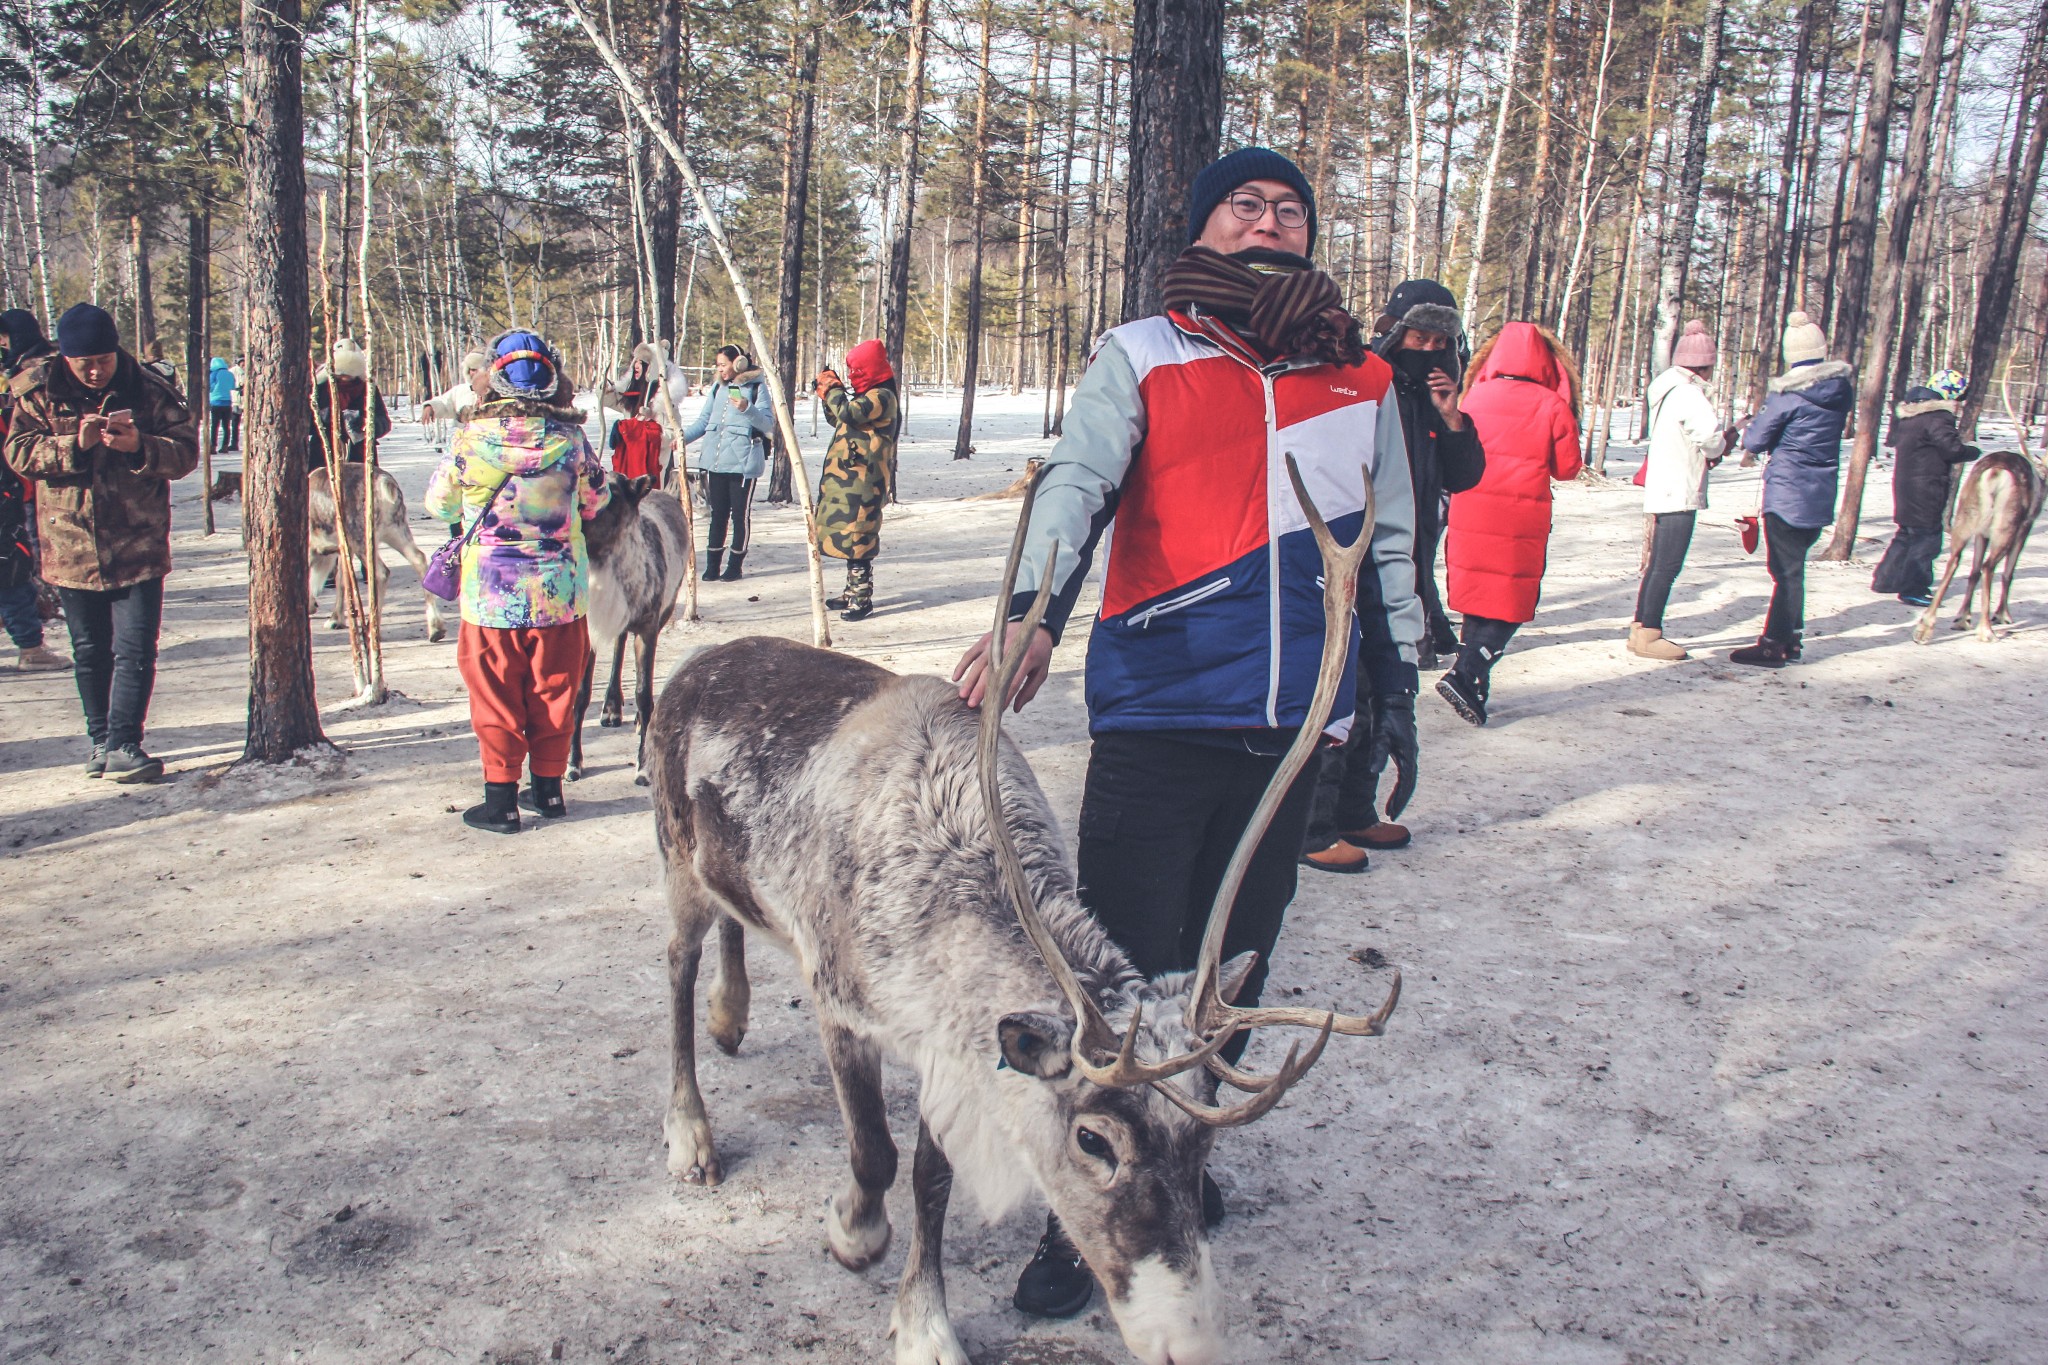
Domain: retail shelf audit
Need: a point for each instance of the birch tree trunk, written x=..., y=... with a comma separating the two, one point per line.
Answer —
x=284, y=715
x=2015, y=209
x=1776, y=266
x=1852, y=297
x=1500, y=129
x=1875, y=378
x=198, y=253
x=798, y=127
x=897, y=313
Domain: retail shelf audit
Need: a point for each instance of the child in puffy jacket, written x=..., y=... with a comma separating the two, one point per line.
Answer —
x=1924, y=434
x=522, y=467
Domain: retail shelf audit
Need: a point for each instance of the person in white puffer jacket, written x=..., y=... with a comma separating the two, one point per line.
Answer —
x=1686, y=440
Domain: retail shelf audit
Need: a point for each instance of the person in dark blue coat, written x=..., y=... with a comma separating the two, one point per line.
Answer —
x=1799, y=432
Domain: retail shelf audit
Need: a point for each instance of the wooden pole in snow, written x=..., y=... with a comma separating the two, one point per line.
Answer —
x=821, y=633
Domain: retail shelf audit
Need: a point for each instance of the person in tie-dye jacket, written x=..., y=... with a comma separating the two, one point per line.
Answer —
x=522, y=464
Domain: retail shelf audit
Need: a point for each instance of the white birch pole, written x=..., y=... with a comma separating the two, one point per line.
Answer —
x=821, y=633
x=1571, y=278
x=373, y=692
x=1500, y=128
x=1414, y=136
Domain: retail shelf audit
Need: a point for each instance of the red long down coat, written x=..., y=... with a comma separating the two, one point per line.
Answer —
x=1520, y=401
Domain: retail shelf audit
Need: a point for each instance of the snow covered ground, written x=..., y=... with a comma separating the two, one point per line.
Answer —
x=1721, y=1040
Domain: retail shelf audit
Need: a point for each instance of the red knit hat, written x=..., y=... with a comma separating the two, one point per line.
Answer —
x=868, y=365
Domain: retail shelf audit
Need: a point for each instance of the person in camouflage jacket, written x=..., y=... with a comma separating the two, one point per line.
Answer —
x=860, y=470
x=104, y=437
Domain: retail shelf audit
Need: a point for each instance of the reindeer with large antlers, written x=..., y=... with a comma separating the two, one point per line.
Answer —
x=832, y=806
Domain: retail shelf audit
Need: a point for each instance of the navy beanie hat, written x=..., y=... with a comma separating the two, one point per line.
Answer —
x=87, y=329
x=1242, y=166
x=23, y=337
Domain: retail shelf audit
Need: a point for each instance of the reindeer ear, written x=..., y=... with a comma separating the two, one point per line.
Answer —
x=1036, y=1044
x=640, y=486
x=1234, y=974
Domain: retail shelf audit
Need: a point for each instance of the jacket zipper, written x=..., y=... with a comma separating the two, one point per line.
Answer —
x=1174, y=604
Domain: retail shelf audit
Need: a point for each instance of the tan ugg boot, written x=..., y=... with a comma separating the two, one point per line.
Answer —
x=1646, y=642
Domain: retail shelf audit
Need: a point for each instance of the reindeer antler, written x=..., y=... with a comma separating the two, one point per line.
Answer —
x=1208, y=1013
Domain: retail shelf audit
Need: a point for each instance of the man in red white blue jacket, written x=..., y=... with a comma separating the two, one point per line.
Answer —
x=1206, y=648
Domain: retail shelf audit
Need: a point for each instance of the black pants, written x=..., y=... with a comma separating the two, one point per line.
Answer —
x=1160, y=817
x=1485, y=641
x=234, y=428
x=1785, y=548
x=1347, y=795
x=732, y=498
x=1437, y=630
x=220, y=428
x=1908, y=563
x=113, y=653
x=1668, y=545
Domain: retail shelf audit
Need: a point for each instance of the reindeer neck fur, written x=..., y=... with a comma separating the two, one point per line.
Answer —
x=638, y=554
x=808, y=773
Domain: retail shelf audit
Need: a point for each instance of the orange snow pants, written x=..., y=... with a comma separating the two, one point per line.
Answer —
x=522, y=694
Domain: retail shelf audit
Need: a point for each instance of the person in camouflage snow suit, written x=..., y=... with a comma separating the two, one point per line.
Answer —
x=860, y=469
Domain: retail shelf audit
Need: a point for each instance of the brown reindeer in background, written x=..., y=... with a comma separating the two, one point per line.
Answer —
x=894, y=843
x=1994, y=515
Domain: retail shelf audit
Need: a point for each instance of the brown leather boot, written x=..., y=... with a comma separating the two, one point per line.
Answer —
x=1647, y=642
x=1378, y=837
x=1338, y=857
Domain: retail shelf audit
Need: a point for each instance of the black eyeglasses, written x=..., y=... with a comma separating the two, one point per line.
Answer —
x=1251, y=206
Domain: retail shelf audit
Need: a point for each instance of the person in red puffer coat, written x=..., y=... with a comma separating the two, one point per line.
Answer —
x=1522, y=394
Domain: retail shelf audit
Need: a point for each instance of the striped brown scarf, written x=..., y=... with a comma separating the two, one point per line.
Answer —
x=1288, y=309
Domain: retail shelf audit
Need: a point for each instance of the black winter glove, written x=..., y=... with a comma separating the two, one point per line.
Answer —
x=1393, y=737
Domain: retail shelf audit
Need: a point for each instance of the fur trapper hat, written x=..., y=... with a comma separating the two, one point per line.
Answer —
x=349, y=360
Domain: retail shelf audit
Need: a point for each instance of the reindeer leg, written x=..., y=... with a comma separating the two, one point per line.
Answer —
x=2012, y=564
x=643, y=700
x=575, y=769
x=402, y=541
x=614, y=694
x=732, y=993
x=920, y=1324
x=857, y=1222
x=691, y=1153
x=1924, y=632
x=1985, y=635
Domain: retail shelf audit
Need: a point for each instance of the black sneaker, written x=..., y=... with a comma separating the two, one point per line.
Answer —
x=498, y=812
x=1056, y=1284
x=859, y=613
x=96, y=766
x=129, y=764
x=837, y=603
x=1463, y=695
x=544, y=798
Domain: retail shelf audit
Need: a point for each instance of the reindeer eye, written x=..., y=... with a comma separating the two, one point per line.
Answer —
x=1095, y=1145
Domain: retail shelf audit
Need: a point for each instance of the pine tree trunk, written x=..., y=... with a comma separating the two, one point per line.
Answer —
x=970, y=366
x=1678, y=243
x=1175, y=125
x=145, y=294
x=1853, y=295
x=796, y=198
x=284, y=714
x=1500, y=128
x=1027, y=213
x=1913, y=293
x=1775, y=260
x=2015, y=209
x=898, y=310
x=198, y=249
x=1874, y=380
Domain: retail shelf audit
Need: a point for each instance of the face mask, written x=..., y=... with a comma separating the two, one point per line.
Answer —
x=1418, y=364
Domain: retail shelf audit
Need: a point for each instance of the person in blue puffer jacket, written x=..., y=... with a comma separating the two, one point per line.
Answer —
x=734, y=426
x=1799, y=432
x=220, y=405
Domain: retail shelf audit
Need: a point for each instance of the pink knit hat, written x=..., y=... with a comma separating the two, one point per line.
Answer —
x=1695, y=349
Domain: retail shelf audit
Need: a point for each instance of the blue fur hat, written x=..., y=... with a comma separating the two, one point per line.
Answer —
x=523, y=365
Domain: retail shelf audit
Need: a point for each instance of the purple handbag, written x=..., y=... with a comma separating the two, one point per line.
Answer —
x=443, y=577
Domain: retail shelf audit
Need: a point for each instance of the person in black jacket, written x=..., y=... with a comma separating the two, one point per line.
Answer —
x=1422, y=335
x=1929, y=447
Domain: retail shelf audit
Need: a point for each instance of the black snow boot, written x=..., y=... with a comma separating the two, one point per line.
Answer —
x=499, y=810
x=1467, y=696
x=732, y=567
x=1765, y=653
x=711, y=562
x=1057, y=1282
x=129, y=764
x=544, y=798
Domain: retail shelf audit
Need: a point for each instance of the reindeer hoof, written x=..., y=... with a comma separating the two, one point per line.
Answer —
x=436, y=635
x=575, y=772
x=610, y=721
x=1923, y=635
x=639, y=779
x=691, y=1155
x=334, y=625
x=856, y=1247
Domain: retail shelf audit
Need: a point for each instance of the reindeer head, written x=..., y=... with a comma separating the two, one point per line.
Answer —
x=1132, y=1079
x=603, y=531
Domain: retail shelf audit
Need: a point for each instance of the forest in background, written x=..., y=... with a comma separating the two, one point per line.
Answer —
x=1605, y=167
